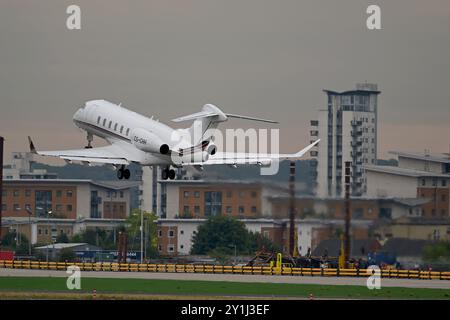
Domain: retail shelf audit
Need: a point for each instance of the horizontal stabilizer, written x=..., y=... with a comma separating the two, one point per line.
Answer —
x=238, y=116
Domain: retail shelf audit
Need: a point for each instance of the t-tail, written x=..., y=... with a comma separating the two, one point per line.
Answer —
x=208, y=119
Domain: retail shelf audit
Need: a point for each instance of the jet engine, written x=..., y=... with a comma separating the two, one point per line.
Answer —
x=149, y=142
x=211, y=149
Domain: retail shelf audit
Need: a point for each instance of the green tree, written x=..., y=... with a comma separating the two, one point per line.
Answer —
x=132, y=227
x=62, y=238
x=437, y=252
x=10, y=242
x=67, y=254
x=220, y=234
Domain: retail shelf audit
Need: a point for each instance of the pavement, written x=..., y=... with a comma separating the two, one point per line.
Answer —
x=385, y=282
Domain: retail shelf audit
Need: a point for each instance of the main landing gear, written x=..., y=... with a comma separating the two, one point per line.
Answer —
x=167, y=173
x=123, y=173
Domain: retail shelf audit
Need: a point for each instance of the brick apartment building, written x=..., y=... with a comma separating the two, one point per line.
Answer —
x=35, y=206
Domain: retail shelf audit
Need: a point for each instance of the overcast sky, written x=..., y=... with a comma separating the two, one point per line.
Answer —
x=257, y=57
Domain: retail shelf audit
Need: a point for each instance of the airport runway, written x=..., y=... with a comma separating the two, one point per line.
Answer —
x=385, y=282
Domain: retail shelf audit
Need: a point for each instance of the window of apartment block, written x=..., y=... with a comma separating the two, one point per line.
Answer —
x=444, y=183
x=4, y=207
x=159, y=247
x=4, y=193
x=197, y=194
x=160, y=233
x=229, y=209
x=27, y=193
x=434, y=182
x=253, y=209
x=181, y=231
x=69, y=207
x=241, y=209
x=241, y=194
x=171, y=233
x=121, y=194
x=186, y=194
x=197, y=209
x=69, y=193
x=181, y=246
x=16, y=207
x=253, y=194
x=59, y=207
x=170, y=248
x=186, y=209
x=16, y=193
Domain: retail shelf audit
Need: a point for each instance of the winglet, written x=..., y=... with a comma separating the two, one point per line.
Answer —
x=32, y=148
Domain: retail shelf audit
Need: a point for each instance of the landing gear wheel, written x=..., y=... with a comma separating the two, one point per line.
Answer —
x=171, y=174
x=120, y=174
x=126, y=174
x=164, y=174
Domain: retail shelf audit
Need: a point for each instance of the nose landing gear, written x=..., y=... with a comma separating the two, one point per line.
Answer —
x=89, y=138
x=168, y=173
x=123, y=173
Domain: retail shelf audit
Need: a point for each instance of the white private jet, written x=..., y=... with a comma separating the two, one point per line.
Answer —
x=133, y=137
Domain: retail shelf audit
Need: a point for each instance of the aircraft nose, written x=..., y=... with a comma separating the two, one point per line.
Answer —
x=79, y=114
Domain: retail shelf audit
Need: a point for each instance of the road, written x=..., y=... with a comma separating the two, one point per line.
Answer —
x=385, y=282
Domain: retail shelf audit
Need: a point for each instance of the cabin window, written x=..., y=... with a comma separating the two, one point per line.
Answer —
x=109, y=125
x=104, y=122
x=98, y=120
x=121, y=129
x=115, y=127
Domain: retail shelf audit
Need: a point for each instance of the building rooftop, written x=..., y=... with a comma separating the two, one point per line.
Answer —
x=404, y=171
x=434, y=157
x=406, y=247
x=62, y=245
x=333, y=247
x=117, y=185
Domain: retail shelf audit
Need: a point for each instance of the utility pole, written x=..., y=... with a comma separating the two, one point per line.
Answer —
x=292, y=244
x=1, y=187
x=142, y=236
x=347, y=213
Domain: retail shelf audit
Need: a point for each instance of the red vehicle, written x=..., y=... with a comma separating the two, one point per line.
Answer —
x=6, y=255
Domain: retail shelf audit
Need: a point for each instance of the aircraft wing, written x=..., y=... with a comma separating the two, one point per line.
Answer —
x=112, y=154
x=232, y=158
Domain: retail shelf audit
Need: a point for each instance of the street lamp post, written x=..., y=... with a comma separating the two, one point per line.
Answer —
x=29, y=223
x=48, y=225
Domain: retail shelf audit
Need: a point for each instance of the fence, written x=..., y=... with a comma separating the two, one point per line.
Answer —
x=214, y=269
